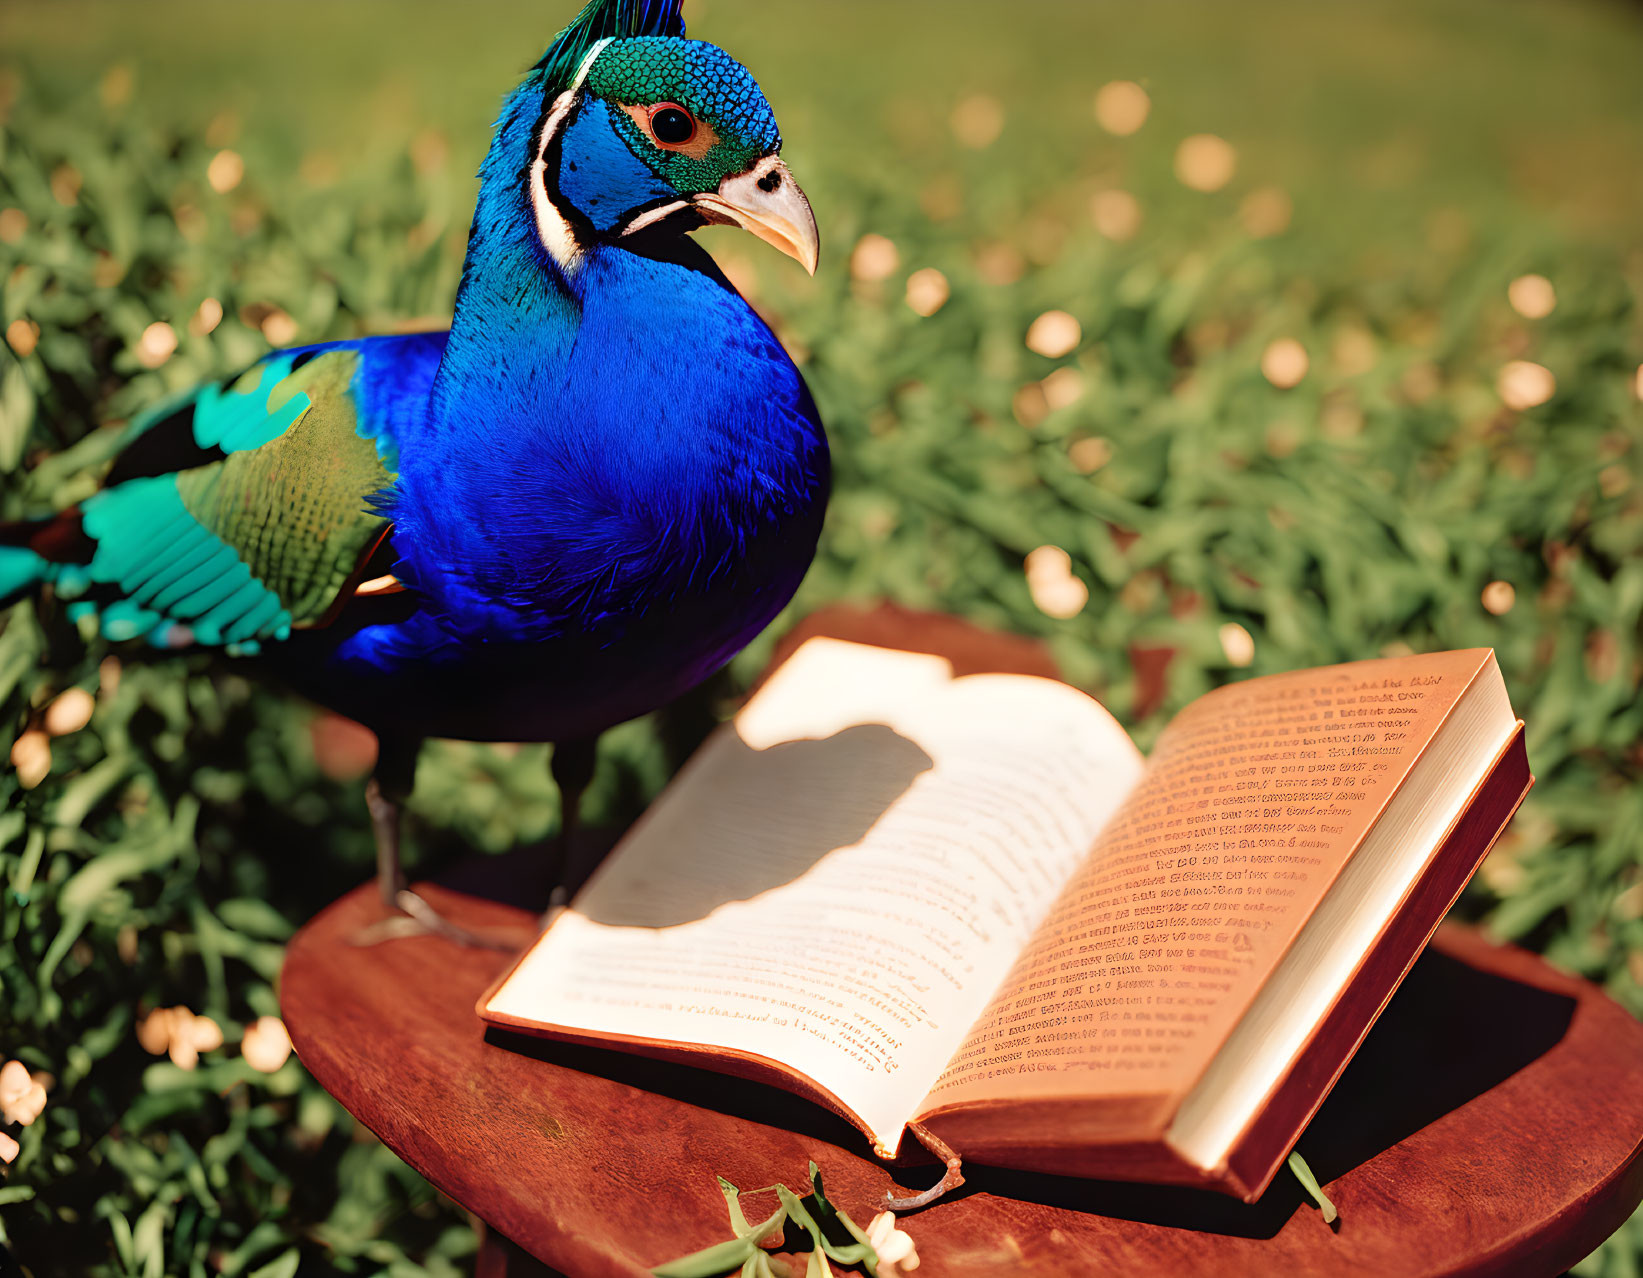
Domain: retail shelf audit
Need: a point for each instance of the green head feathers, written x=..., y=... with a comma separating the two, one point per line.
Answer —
x=730, y=126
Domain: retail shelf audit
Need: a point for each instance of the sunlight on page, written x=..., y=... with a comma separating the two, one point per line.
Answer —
x=839, y=881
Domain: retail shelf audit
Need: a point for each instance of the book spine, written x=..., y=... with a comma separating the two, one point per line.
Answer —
x=1261, y=1149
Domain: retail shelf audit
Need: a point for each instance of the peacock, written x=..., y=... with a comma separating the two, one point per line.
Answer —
x=571, y=507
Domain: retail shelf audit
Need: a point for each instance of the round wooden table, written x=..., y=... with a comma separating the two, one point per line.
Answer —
x=1492, y=1123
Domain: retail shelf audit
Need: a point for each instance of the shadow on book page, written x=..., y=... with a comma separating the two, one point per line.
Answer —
x=776, y=811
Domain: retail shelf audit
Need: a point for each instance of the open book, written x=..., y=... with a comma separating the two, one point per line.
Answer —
x=973, y=905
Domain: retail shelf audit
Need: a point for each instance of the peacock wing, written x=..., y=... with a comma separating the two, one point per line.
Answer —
x=267, y=529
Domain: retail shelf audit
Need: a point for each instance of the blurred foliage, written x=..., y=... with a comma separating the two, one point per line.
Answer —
x=200, y=817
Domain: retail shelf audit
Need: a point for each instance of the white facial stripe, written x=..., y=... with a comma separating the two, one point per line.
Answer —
x=758, y=172
x=652, y=216
x=587, y=64
x=551, y=225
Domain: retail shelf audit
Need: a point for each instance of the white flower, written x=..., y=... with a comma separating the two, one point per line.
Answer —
x=181, y=1034
x=894, y=1246
x=1237, y=644
x=1052, y=583
x=21, y=1098
x=69, y=712
x=266, y=1044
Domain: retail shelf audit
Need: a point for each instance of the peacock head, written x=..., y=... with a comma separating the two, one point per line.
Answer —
x=644, y=133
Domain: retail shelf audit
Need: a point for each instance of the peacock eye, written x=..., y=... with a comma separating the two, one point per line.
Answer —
x=672, y=125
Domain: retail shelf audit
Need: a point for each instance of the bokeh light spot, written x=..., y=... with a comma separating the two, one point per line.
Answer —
x=65, y=185
x=22, y=336
x=206, y=318
x=1116, y=214
x=1523, y=385
x=1498, y=598
x=1284, y=363
x=927, y=291
x=1266, y=212
x=1532, y=296
x=1122, y=107
x=117, y=85
x=1354, y=351
x=1205, y=162
x=1237, y=644
x=1000, y=264
x=874, y=258
x=279, y=328
x=1090, y=455
x=1054, y=334
x=1063, y=388
x=157, y=344
x=977, y=121
x=225, y=171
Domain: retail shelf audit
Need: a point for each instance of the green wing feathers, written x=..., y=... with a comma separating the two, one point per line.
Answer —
x=243, y=548
x=297, y=509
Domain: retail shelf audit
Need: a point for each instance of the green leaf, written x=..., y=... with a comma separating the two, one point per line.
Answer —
x=148, y=1240
x=82, y=794
x=257, y=918
x=710, y=1262
x=283, y=1266
x=733, y=1204
x=849, y=1254
x=20, y=646
x=828, y=1215
x=860, y=1252
x=725, y=1256
x=1309, y=1182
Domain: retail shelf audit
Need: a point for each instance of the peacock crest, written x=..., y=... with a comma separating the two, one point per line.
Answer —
x=606, y=20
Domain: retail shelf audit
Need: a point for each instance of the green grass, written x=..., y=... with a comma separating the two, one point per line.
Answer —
x=1431, y=152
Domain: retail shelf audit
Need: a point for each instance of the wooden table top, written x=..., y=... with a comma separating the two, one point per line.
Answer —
x=1492, y=1122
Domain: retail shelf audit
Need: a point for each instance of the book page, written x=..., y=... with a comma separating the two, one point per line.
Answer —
x=1254, y=800
x=839, y=879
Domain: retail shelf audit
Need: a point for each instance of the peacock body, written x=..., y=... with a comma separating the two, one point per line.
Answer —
x=574, y=505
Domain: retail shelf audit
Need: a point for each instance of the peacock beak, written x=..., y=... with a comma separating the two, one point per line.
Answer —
x=768, y=202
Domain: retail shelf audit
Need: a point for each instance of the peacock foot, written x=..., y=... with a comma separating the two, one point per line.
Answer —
x=418, y=918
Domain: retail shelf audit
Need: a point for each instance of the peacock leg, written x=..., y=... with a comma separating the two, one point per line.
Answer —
x=385, y=795
x=572, y=767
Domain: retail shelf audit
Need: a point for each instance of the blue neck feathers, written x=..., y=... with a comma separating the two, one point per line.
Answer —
x=594, y=430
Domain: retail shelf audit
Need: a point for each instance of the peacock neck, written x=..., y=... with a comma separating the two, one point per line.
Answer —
x=597, y=430
x=516, y=312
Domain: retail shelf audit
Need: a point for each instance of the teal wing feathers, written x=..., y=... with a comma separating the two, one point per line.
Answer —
x=266, y=532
